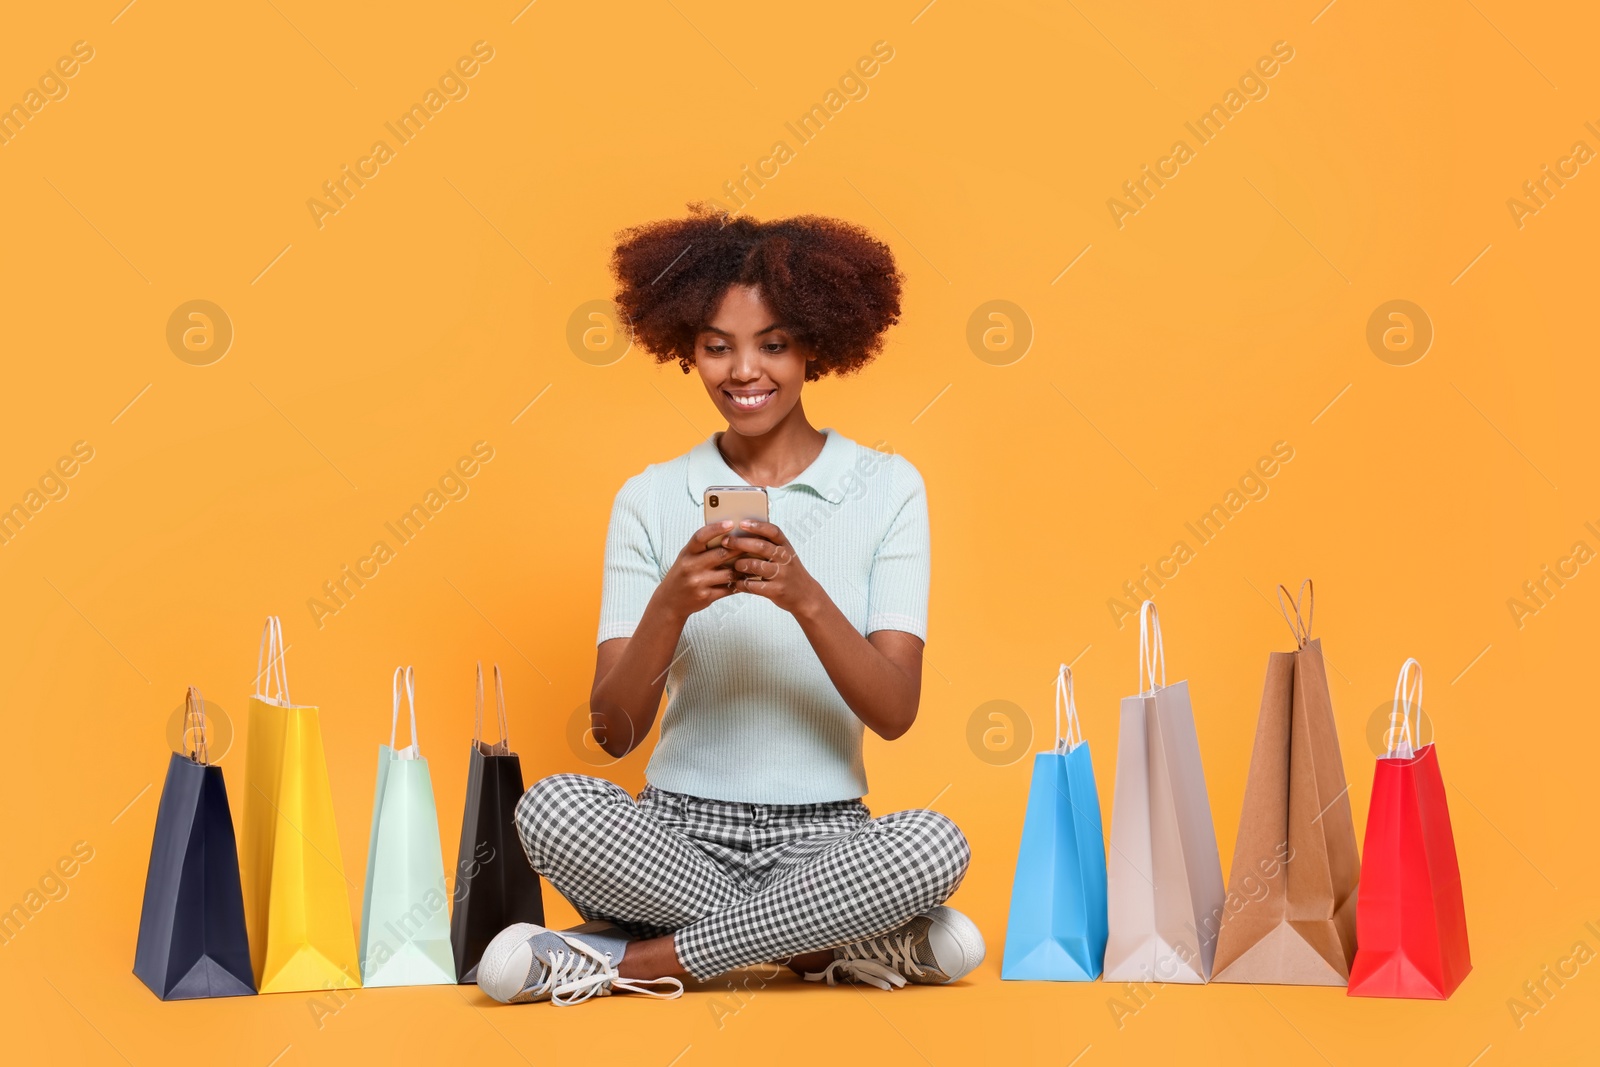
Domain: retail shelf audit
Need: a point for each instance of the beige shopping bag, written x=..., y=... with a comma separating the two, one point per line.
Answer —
x=1290, y=916
x=1164, y=874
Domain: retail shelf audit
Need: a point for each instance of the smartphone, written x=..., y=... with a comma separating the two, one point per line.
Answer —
x=736, y=502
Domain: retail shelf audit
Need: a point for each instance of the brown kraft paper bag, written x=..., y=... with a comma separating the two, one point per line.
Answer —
x=1290, y=914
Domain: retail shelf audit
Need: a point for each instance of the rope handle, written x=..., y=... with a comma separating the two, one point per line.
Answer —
x=1151, y=651
x=411, y=751
x=1407, y=694
x=270, y=664
x=500, y=707
x=194, y=726
x=1299, y=624
x=1066, y=742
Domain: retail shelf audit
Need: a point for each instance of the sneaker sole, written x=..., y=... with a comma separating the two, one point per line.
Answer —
x=496, y=977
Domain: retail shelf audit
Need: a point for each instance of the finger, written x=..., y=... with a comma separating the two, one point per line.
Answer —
x=721, y=580
x=757, y=586
x=696, y=560
x=754, y=546
x=702, y=538
x=712, y=559
x=779, y=554
x=712, y=595
x=764, y=529
x=760, y=568
x=711, y=573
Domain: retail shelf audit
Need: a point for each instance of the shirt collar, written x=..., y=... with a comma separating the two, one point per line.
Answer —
x=824, y=476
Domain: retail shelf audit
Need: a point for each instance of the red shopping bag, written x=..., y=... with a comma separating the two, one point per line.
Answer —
x=1411, y=923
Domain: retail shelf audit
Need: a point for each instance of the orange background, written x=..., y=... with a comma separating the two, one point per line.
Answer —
x=369, y=354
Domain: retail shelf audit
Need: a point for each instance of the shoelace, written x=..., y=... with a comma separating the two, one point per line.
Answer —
x=573, y=977
x=884, y=962
x=868, y=971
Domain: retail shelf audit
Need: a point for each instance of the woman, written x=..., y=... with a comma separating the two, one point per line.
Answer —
x=778, y=648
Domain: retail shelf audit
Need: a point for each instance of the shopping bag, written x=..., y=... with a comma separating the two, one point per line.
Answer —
x=1164, y=876
x=405, y=918
x=494, y=887
x=191, y=928
x=1057, y=927
x=1290, y=916
x=1411, y=923
x=297, y=904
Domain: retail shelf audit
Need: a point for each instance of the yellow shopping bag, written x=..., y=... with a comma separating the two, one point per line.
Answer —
x=297, y=907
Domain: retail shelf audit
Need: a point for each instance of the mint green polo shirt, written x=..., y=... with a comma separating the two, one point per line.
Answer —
x=751, y=714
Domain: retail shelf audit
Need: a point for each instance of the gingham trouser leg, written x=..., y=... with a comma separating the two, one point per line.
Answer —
x=829, y=890
x=612, y=861
x=735, y=886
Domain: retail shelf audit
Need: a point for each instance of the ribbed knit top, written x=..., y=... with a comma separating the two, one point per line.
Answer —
x=751, y=713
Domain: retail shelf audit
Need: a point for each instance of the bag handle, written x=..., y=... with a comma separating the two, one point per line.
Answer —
x=1299, y=624
x=194, y=726
x=271, y=665
x=410, y=751
x=1151, y=652
x=500, y=702
x=1407, y=694
x=1064, y=699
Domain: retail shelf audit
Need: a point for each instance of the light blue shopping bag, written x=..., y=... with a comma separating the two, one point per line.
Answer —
x=405, y=910
x=1057, y=928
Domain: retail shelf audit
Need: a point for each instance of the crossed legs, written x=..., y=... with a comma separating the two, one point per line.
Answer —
x=695, y=911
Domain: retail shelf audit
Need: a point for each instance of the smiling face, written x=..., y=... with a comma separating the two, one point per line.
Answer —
x=751, y=364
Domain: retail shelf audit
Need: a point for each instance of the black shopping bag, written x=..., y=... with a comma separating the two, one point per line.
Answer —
x=191, y=930
x=494, y=886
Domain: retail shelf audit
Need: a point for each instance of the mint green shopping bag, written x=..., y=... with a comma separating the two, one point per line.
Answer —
x=405, y=912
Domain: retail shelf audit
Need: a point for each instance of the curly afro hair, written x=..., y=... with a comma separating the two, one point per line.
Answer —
x=833, y=284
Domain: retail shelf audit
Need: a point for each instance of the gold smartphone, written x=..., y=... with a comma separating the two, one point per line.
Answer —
x=736, y=502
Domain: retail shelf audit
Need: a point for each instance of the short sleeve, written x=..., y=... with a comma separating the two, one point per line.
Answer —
x=897, y=587
x=632, y=569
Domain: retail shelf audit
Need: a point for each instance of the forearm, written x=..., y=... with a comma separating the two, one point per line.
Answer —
x=623, y=703
x=881, y=692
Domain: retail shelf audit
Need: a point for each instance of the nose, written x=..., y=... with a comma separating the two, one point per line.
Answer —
x=746, y=365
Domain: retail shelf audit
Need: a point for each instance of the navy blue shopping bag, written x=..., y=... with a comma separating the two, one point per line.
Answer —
x=191, y=929
x=1057, y=928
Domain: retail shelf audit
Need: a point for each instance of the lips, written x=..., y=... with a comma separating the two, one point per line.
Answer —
x=749, y=399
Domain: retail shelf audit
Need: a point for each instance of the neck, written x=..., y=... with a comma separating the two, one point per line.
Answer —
x=777, y=456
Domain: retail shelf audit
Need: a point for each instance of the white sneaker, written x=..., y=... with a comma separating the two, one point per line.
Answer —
x=939, y=946
x=526, y=963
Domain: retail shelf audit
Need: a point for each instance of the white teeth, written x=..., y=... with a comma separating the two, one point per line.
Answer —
x=749, y=401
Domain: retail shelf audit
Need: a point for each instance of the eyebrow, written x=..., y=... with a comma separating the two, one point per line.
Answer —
x=726, y=333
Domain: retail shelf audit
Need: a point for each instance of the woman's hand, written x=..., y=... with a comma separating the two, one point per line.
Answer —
x=879, y=676
x=630, y=673
x=772, y=569
x=699, y=577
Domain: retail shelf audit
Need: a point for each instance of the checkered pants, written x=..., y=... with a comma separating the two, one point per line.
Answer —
x=738, y=884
